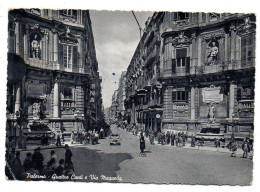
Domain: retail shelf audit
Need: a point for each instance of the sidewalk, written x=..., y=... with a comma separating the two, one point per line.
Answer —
x=32, y=147
x=222, y=149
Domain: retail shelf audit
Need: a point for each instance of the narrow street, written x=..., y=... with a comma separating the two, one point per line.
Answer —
x=163, y=164
x=166, y=164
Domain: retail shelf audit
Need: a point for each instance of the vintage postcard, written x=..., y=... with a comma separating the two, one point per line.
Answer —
x=130, y=97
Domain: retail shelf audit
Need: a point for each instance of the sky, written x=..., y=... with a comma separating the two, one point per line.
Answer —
x=116, y=36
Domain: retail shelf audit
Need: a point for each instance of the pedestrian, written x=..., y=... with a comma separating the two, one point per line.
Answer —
x=48, y=170
x=68, y=156
x=193, y=141
x=142, y=143
x=245, y=148
x=17, y=167
x=168, y=137
x=217, y=143
x=58, y=139
x=159, y=137
x=27, y=164
x=233, y=148
x=60, y=169
x=37, y=159
x=177, y=140
x=54, y=156
x=172, y=139
x=72, y=137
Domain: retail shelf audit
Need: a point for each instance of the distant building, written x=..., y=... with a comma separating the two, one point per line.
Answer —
x=114, y=107
x=53, y=79
x=121, y=97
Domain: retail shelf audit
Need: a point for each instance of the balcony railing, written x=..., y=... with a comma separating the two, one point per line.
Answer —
x=67, y=105
x=215, y=68
x=246, y=105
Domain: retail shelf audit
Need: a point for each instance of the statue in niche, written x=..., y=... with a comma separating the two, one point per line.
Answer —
x=35, y=47
x=212, y=55
x=211, y=113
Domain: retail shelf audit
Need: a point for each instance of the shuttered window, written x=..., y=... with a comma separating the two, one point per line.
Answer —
x=69, y=56
x=180, y=95
x=182, y=62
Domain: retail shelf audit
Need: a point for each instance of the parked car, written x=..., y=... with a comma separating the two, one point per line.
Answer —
x=115, y=139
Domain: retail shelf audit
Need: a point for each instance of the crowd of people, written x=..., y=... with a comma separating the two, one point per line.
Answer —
x=89, y=137
x=179, y=139
x=33, y=164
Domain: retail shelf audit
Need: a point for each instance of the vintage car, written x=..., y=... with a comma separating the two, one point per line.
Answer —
x=115, y=139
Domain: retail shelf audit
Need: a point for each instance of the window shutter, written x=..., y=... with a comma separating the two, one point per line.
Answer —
x=75, y=59
x=173, y=66
x=187, y=64
x=61, y=55
x=174, y=96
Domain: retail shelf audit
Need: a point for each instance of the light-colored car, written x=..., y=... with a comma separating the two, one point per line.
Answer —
x=115, y=139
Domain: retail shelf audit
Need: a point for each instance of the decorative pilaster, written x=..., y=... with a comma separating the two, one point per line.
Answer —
x=17, y=38
x=232, y=89
x=55, y=47
x=192, y=103
x=56, y=100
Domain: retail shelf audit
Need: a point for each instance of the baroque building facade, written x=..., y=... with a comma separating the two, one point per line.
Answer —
x=121, y=97
x=53, y=79
x=199, y=77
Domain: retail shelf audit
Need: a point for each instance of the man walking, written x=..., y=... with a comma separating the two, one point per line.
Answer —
x=68, y=156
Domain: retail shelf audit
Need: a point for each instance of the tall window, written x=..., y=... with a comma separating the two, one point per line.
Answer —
x=247, y=49
x=69, y=12
x=67, y=56
x=181, y=64
x=11, y=36
x=179, y=95
x=181, y=16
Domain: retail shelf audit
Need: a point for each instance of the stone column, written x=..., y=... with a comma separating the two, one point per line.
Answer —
x=232, y=89
x=56, y=100
x=17, y=98
x=17, y=38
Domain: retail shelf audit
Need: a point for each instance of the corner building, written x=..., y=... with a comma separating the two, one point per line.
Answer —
x=207, y=71
x=53, y=79
x=192, y=71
